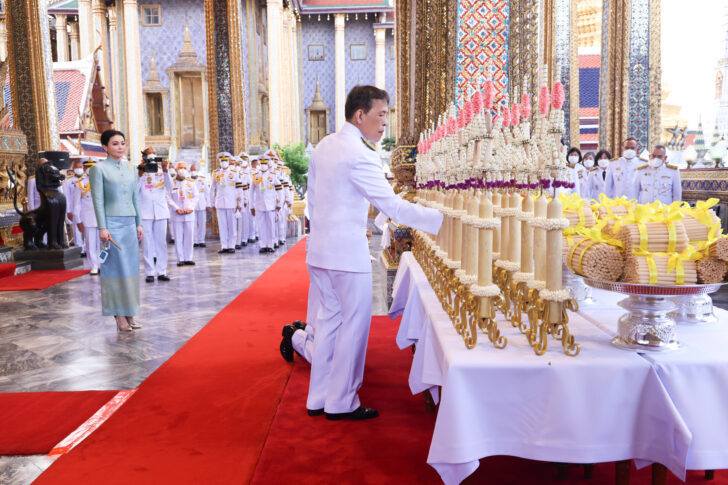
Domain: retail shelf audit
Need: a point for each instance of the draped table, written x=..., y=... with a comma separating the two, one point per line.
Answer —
x=604, y=405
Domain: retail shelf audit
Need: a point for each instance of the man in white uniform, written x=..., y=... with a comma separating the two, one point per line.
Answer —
x=225, y=201
x=344, y=176
x=154, y=190
x=621, y=172
x=202, y=207
x=266, y=203
x=245, y=233
x=658, y=180
x=70, y=187
x=84, y=217
x=32, y=193
x=287, y=203
x=183, y=200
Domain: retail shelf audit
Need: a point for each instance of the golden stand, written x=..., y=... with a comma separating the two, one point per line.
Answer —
x=503, y=278
x=548, y=317
x=522, y=298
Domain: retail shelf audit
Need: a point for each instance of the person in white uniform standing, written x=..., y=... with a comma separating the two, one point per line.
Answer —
x=183, y=200
x=245, y=232
x=266, y=203
x=31, y=191
x=658, y=180
x=70, y=187
x=154, y=186
x=344, y=176
x=287, y=203
x=225, y=201
x=598, y=175
x=84, y=216
x=620, y=173
x=202, y=207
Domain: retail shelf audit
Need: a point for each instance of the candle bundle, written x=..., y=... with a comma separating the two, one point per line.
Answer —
x=701, y=223
x=647, y=268
x=663, y=236
x=711, y=270
x=595, y=255
x=719, y=249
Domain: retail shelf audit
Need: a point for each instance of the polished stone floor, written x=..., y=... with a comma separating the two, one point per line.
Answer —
x=57, y=340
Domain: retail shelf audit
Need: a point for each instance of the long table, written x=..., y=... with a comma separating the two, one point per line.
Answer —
x=606, y=404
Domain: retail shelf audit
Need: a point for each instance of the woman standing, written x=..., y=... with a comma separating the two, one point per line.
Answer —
x=116, y=202
x=598, y=176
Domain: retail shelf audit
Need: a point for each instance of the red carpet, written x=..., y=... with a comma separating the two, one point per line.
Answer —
x=39, y=280
x=204, y=415
x=7, y=269
x=33, y=423
x=392, y=448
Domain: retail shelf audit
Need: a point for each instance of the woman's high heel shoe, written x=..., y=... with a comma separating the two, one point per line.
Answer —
x=122, y=328
x=134, y=325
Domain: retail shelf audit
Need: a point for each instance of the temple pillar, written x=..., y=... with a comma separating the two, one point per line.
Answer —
x=133, y=78
x=3, y=41
x=340, y=67
x=31, y=76
x=74, y=39
x=101, y=38
x=85, y=27
x=114, y=68
x=273, y=8
x=380, y=79
x=61, y=38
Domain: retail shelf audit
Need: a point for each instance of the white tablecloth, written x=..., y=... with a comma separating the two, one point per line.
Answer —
x=606, y=404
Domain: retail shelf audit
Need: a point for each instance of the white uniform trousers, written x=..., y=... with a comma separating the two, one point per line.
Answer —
x=154, y=245
x=282, y=224
x=266, y=226
x=303, y=339
x=200, y=226
x=183, y=242
x=239, y=226
x=342, y=333
x=78, y=239
x=247, y=225
x=91, y=245
x=253, y=227
x=226, y=224
x=171, y=231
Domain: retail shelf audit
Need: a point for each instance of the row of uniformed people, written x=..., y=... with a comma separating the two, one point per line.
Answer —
x=626, y=176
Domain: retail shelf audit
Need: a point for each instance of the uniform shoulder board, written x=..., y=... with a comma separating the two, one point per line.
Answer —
x=238, y=185
x=32, y=177
x=592, y=169
x=189, y=179
x=669, y=165
x=642, y=166
x=570, y=165
x=369, y=144
x=246, y=186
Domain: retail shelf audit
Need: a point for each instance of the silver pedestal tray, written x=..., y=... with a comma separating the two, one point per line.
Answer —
x=579, y=291
x=649, y=325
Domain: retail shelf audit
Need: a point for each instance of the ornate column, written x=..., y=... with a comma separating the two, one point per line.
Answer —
x=133, y=81
x=380, y=79
x=340, y=67
x=297, y=107
x=61, y=38
x=116, y=85
x=101, y=38
x=273, y=8
x=85, y=27
x=75, y=40
x=31, y=76
x=3, y=41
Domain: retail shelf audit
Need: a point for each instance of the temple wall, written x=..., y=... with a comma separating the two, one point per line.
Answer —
x=315, y=31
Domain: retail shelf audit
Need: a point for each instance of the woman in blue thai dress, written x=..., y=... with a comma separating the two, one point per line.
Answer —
x=116, y=202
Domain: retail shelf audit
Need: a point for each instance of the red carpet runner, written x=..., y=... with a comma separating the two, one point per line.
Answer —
x=392, y=448
x=33, y=423
x=204, y=415
x=39, y=280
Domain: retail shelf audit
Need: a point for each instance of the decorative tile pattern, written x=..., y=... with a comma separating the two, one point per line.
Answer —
x=482, y=48
x=359, y=32
x=244, y=62
x=639, y=71
x=315, y=31
x=222, y=68
x=563, y=56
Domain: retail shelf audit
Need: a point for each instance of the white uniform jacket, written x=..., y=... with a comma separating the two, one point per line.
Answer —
x=183, y=196
x=344, y=177
x=32, y=194
x=154, y=195
x=225, y=194
x=620, y=178
x=83, y=204
x=266, y=191
x=203, y=192
x=245, y=182
x=70, y=186
x=661, y=183
x=597, y=181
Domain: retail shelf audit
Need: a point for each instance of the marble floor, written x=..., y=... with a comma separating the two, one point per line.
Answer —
x=57, y=340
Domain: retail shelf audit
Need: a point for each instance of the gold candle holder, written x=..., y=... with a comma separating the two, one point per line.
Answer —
x=521, y=300
x=543, y=321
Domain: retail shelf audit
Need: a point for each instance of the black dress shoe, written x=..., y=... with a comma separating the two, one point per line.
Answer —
x=287, y=343
x=150, y=279
x=251, y=241
x=163, y=277
x=237, y=246
x=263, y=250
x=243, y=244
x=195, y=245
x=189, y=263
x=171, y=241
x=271, y=250
x=83, y=255
x=358, y=414
x=315, y=412
x=202, y=245
x=299, y=325
x=231, y=250
x=181, y=263
x=222, y=251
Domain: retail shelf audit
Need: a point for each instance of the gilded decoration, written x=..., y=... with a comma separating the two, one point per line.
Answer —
x=704, y=183
x=523, y=48
x=237, y=82
x=402, y=164
x=405, y=88
x=211, y=81
x=566, y=60
x=613, y=78
x=655, y=105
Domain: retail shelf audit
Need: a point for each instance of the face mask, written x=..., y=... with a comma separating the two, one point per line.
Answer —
x=78, y=171
x=223, y=165
x=655, y=162
x=573, y=159
x=245, y=165
x=588, y=163
x=193, y=174
x=172, y=173
x=603, y=163
x=629, y=154
x=182, y=173
x=264, y=167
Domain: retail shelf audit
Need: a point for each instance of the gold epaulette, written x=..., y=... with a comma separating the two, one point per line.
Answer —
x=32, y=177
x=674, y=167
x=238, y=185
x=279, y=187
x=570, y=165
x=592, y=169
x=189, y=179
x=246, y=186
x=642, y=166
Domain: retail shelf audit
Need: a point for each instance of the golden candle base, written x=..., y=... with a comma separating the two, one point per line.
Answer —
x=521, y=297
x=503, y=278
x=543, y=321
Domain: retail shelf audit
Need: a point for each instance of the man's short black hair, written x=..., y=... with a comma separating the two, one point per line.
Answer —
x=361, y=97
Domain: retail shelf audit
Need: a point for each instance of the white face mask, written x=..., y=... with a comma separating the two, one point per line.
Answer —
x=78, y=171
x=588, y=163
x=193, y=174
x=223, y=165
x=629, y=154
x=573, y=159
x=655, y=162
x=264, y=167
x=182, y=173
x=603, y=163
x=172, y=173
x=244, y=165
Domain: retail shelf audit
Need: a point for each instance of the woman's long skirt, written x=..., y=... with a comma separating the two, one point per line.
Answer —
x=120, y=273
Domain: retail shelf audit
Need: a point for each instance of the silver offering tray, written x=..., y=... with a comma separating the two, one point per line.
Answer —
x=650, y=323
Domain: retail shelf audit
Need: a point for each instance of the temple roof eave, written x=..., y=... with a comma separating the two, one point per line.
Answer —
x=303, y=9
